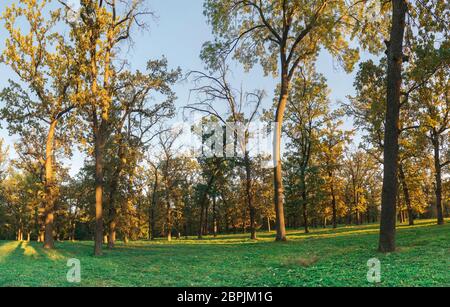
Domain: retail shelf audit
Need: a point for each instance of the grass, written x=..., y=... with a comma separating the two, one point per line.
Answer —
x=325, y=257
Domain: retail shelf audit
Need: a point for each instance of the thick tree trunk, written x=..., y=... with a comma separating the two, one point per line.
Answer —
x=405, y=187
x=438, y=179
x=99, y=155
x=112, y=232
x=278, y=174
x=394, y=81
x=49, y=242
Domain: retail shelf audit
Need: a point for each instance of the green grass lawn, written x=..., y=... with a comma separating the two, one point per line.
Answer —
x=325, y=257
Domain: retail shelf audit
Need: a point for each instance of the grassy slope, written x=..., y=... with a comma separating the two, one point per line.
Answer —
x=324, y=257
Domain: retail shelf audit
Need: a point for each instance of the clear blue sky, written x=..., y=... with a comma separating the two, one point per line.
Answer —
x=178, y=32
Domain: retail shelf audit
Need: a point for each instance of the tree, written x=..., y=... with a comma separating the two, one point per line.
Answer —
x=44, y=61
x=306, y=115
x=102, y=26
x=390, y=167
x=242, y=108
x=133, y=121
x=332, y=145
x=432, y=100
x=281, y=35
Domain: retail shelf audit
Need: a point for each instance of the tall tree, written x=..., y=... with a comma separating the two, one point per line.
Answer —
x=242, y=109
x=133, y=121
x=306, y=116
x=394, y=82
x=333, y=141
x=282, y=35
x=44, y=61
x=101, y=28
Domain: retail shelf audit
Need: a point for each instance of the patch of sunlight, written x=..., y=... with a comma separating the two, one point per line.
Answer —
x=29, y=250
x=7, y=248
x=336, y=234
x=52, y=254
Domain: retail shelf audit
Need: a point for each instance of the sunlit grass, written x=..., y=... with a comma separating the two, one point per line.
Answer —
x=324, y=257
x=7, y=248
x=29, y=250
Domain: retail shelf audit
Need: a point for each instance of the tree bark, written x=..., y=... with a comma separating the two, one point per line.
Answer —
x=99, y=157
x=394, y=81
x=278, y=174
x=49, y=242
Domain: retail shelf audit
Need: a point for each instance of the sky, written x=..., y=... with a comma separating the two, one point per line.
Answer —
x=178, y=32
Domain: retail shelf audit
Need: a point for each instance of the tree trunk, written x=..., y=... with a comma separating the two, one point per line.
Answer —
x=438, y=178
x=19, y=234
x=248, y=190
x=394, y=81
x=305, y=217
x=278, y=175
x=406, y=194
x=99, y=155
x=49, y=242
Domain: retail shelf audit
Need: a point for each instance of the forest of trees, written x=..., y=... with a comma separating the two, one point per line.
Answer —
x=75, y=93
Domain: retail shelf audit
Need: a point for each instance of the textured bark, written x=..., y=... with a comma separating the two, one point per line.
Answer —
x=49, y=242
x=394, y=81
x=99, y=186
x=278, y=174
